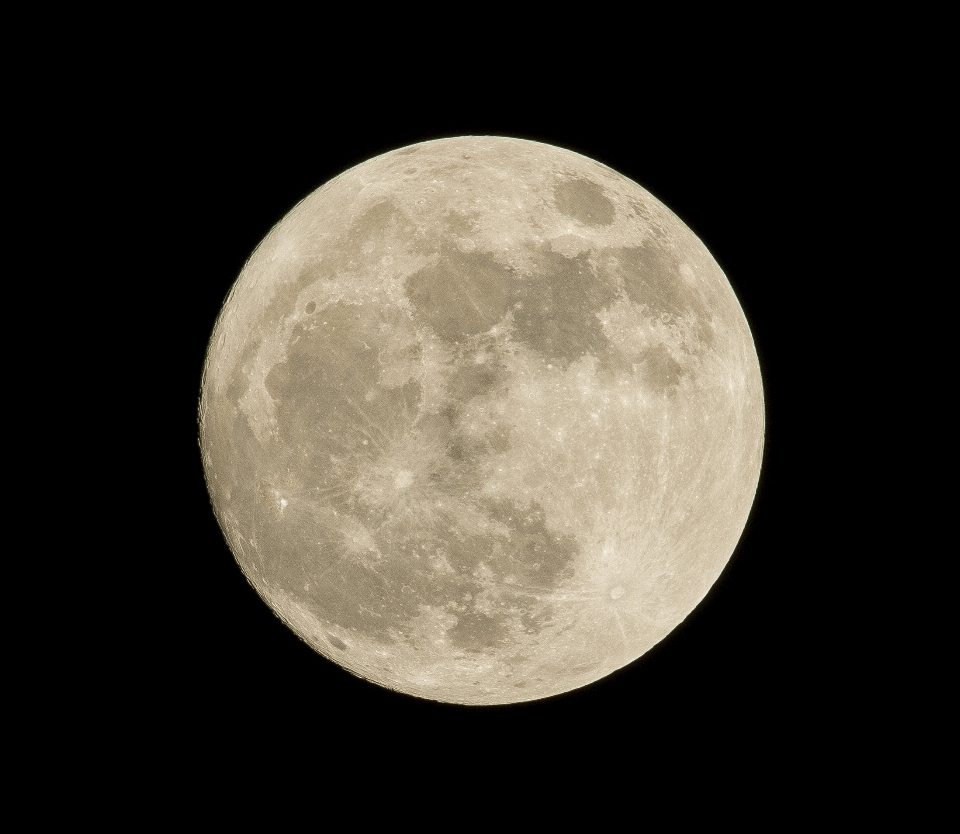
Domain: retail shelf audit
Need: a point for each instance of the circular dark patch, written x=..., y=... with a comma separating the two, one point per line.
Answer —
x=585, y=201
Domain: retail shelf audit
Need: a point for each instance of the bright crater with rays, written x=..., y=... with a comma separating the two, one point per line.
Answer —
x=481, y=420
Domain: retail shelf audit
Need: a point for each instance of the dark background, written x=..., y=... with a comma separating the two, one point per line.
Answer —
x=745, y=671
x=156, y=160
x=157, y=154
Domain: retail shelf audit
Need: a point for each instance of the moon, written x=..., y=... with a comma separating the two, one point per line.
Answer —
x=481, y=420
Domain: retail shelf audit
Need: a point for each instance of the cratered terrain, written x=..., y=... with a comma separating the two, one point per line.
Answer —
x=482, y=420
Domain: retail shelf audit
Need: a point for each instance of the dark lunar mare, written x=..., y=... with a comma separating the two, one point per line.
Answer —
x=448, y=398
x=334, y=417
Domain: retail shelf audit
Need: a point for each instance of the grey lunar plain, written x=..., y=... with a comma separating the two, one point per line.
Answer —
x=481, y=420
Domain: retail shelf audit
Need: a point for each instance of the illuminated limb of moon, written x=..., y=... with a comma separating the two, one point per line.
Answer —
x=482, y=420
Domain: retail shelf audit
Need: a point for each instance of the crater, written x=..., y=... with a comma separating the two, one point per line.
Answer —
x=395, y=486
x=584, y=201
x=336, y=642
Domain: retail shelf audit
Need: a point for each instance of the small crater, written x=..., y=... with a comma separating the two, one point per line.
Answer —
x=311, y=306
x=617, y=592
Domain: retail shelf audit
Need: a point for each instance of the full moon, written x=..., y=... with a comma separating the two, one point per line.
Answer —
x=481, y=420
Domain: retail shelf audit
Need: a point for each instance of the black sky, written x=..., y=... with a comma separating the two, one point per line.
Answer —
x=732, y=671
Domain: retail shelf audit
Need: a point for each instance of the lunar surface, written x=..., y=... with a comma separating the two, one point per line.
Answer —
x=481, y=420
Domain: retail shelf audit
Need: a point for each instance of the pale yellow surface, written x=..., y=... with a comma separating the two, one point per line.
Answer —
x=482, y=420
